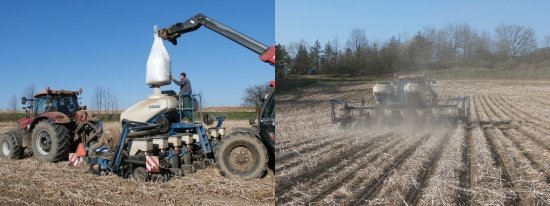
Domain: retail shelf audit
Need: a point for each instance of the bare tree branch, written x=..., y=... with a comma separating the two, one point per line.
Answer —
x=12, y=104
x=251, y=94
x=515, y=40
x=29, y=91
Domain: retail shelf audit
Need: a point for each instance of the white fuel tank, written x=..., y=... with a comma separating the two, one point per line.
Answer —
x=382, y=88
x=382, y=91
x=148, y=108
x=415, y=87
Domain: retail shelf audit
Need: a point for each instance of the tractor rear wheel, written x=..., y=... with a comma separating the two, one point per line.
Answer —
x=50, y=142
x=241, y=155
x=9, y=148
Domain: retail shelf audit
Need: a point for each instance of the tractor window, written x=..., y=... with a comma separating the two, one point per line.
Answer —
x=40, y=105
x=72, y=104
x=65, y=104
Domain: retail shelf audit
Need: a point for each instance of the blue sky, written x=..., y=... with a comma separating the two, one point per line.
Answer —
x=86, y=44
x=325, y=19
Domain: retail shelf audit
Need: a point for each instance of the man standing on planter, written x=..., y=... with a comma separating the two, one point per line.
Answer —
x=185, y=95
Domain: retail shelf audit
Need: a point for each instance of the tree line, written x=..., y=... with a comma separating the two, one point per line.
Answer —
x=104, y=101
x=429, y=49
x=13, y=103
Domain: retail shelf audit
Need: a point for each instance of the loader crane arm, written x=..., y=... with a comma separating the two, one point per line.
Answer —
x=267, y=53
x=231, y=152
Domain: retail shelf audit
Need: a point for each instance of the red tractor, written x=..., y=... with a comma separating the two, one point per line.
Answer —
x=55, y=125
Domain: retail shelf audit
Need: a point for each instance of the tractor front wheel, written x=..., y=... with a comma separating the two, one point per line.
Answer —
x=50, y=142
x=241, y=155
x=9, y=148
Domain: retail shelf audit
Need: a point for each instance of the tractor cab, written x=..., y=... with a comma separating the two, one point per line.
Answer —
x=265, y=109
x=265, y=106
x=65, y=102
x=57, y=105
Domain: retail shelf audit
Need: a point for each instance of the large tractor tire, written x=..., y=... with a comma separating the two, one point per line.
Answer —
x=242, y=156
x=9, y=148
x=50, y=142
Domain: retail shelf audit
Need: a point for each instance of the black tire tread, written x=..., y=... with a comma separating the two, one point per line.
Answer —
x=16, y=150
x=232, y=137
x=62, y=140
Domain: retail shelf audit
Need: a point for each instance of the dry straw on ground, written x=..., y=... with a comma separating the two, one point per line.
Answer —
x=29, y=182
x=473, y=163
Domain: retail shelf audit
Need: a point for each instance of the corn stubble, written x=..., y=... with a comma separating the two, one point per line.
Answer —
x=29, y=182
x=501, y=155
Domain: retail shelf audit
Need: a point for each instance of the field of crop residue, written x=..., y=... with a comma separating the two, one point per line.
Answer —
x=500, y=156
x=30, y=182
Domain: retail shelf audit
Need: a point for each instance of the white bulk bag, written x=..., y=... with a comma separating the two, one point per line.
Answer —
x=158, y=65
